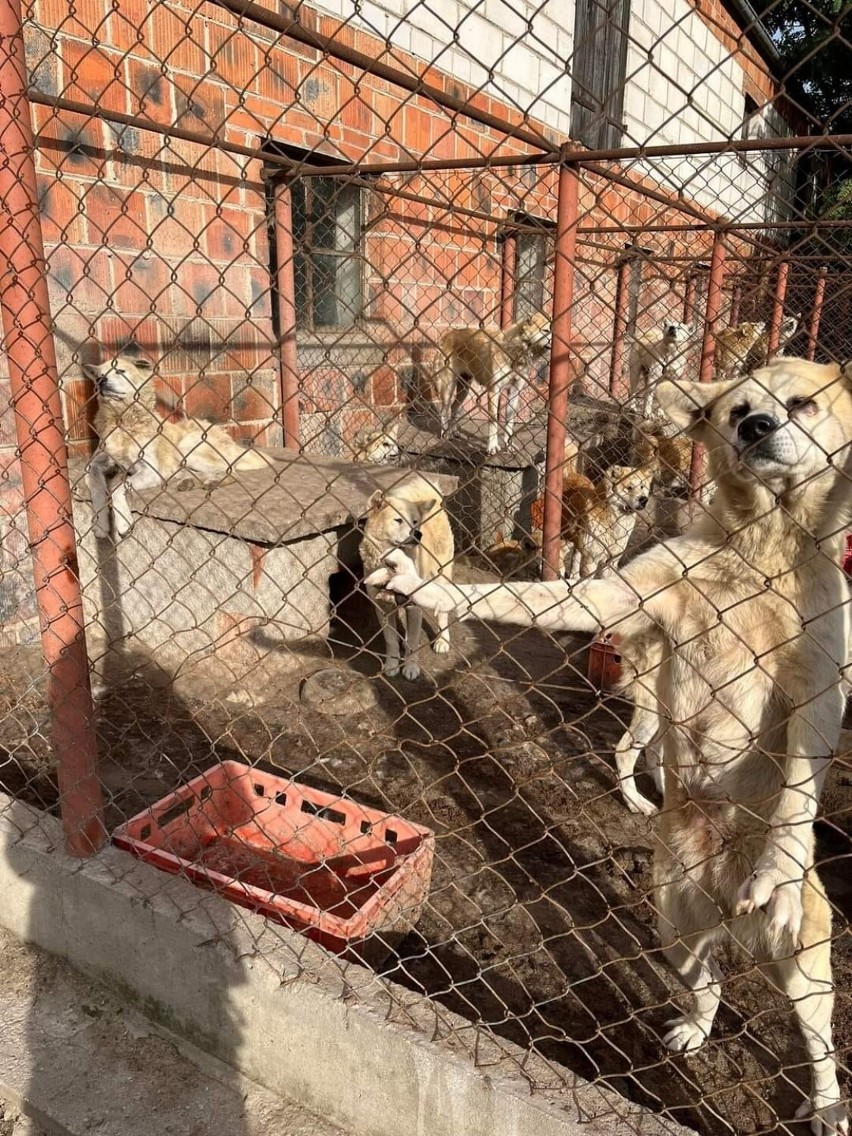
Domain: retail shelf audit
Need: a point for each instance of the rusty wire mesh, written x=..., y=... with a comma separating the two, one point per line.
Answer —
x=286, y=231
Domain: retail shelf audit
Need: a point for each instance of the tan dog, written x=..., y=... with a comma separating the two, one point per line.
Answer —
x=513, y=559
x=656, y=355
x=668, y=455
x=598, y=520
x=377, y=446
x=746, y=345
x=138, y=447
x=734, y=345
x=410, y=517
x=494, y=361
x=746, y=619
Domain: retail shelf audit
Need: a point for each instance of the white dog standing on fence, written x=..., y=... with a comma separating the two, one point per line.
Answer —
x=748, y=611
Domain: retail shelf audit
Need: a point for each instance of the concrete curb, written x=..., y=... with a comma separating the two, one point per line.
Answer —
x=366, y=1053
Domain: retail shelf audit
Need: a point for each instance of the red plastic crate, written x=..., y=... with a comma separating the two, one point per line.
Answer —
x=847, y=555
x=343, y=873
x=604, y=668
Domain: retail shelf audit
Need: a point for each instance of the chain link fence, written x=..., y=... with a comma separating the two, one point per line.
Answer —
x=267, y=267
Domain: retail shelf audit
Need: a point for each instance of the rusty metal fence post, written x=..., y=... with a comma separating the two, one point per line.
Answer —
x=561, y=369
x=713, y=307
x=286, y=289
x=508, y=272
x=816, y=313
x=621, y=320
x=778, y=308
x=43, y=455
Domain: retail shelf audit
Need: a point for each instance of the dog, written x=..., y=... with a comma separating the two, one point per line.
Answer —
x=493, y=361
x=746, y=345
x=513, y=559
x=734, y=345
x=598, y=520
x=137, y=447
x=746, y=618
x=410, y=517
x=377, y=446
x=655, y=355
x=667, y=453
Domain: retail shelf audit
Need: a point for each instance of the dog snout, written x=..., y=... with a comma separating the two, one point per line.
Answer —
x=755, y=428
x=417, y=534
x=642, y=500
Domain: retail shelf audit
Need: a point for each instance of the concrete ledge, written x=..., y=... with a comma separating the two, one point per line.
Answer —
x=366, y=1053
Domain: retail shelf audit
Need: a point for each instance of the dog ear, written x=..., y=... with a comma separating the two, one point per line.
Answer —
x=685, y=403
x=92, y=371
x=427, y=508
x=846, y=372
x=376, y=501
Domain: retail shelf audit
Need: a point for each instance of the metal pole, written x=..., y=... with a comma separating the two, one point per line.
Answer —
x=286, y=288
x=816, y=312
x=778, y=308
x=689, y=298
x=508, y=270
x=561, y=368
x=44, y=459
x=708, y=354
x=619, y=329
x=736, y=304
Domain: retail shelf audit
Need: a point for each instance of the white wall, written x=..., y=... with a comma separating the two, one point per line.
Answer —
x=488, y=44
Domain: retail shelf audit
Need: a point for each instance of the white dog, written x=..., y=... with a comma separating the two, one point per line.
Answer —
x=656, y=355
x=748, y=615
x=409, y=517
x=138, y=447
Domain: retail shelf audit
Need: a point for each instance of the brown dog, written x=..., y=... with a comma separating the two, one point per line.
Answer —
x=494, y=361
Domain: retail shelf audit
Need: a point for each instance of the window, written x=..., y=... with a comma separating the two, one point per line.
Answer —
x=327, y=263
x=533, y=253
x=599, y=73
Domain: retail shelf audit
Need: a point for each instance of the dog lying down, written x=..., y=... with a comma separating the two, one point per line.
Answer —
x=744, y=621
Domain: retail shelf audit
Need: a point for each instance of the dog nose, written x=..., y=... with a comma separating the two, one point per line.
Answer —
x=756, y=426
x=417, y=534
x=643, y=501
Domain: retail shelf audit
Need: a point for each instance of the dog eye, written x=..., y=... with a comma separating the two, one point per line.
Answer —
x=799, y=403
x=739, y=412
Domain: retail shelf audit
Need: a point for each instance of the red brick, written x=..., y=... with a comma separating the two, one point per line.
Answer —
x=255, y=399
x=209, y=396
x=74, y=146
x=151, y=93
x=84, y=19
x=225, y=237
x=177, y=39
x=141, y=284
x=116, y=217
x=60, y=208
x=233, y=56
x=93, y=76
x=78, y=277
x=199, y=104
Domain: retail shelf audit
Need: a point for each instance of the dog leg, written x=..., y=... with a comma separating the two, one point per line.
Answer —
x=446, y=384
x=99, y=492
x=643, y=730
x=682, y=907
x=512, y=399
x=441, y=644
x=805, y=977
x=653, y=378
x=122, y=514
x=413, y=626
x=812, y=737
x=493, y=420
x=390, y=632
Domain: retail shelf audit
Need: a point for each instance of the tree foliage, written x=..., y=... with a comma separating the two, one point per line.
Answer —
x=814, y=39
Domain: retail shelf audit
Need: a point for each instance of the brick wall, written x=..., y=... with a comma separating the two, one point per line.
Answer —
x=164, y=243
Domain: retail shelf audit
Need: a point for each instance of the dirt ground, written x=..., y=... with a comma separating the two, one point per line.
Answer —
x=540, y=924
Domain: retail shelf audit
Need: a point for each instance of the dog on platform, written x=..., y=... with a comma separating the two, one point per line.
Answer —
x=494, y=361
x=744, y=623
x=139, y=449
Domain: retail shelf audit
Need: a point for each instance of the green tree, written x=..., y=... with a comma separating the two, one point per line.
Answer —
x=814, y=39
